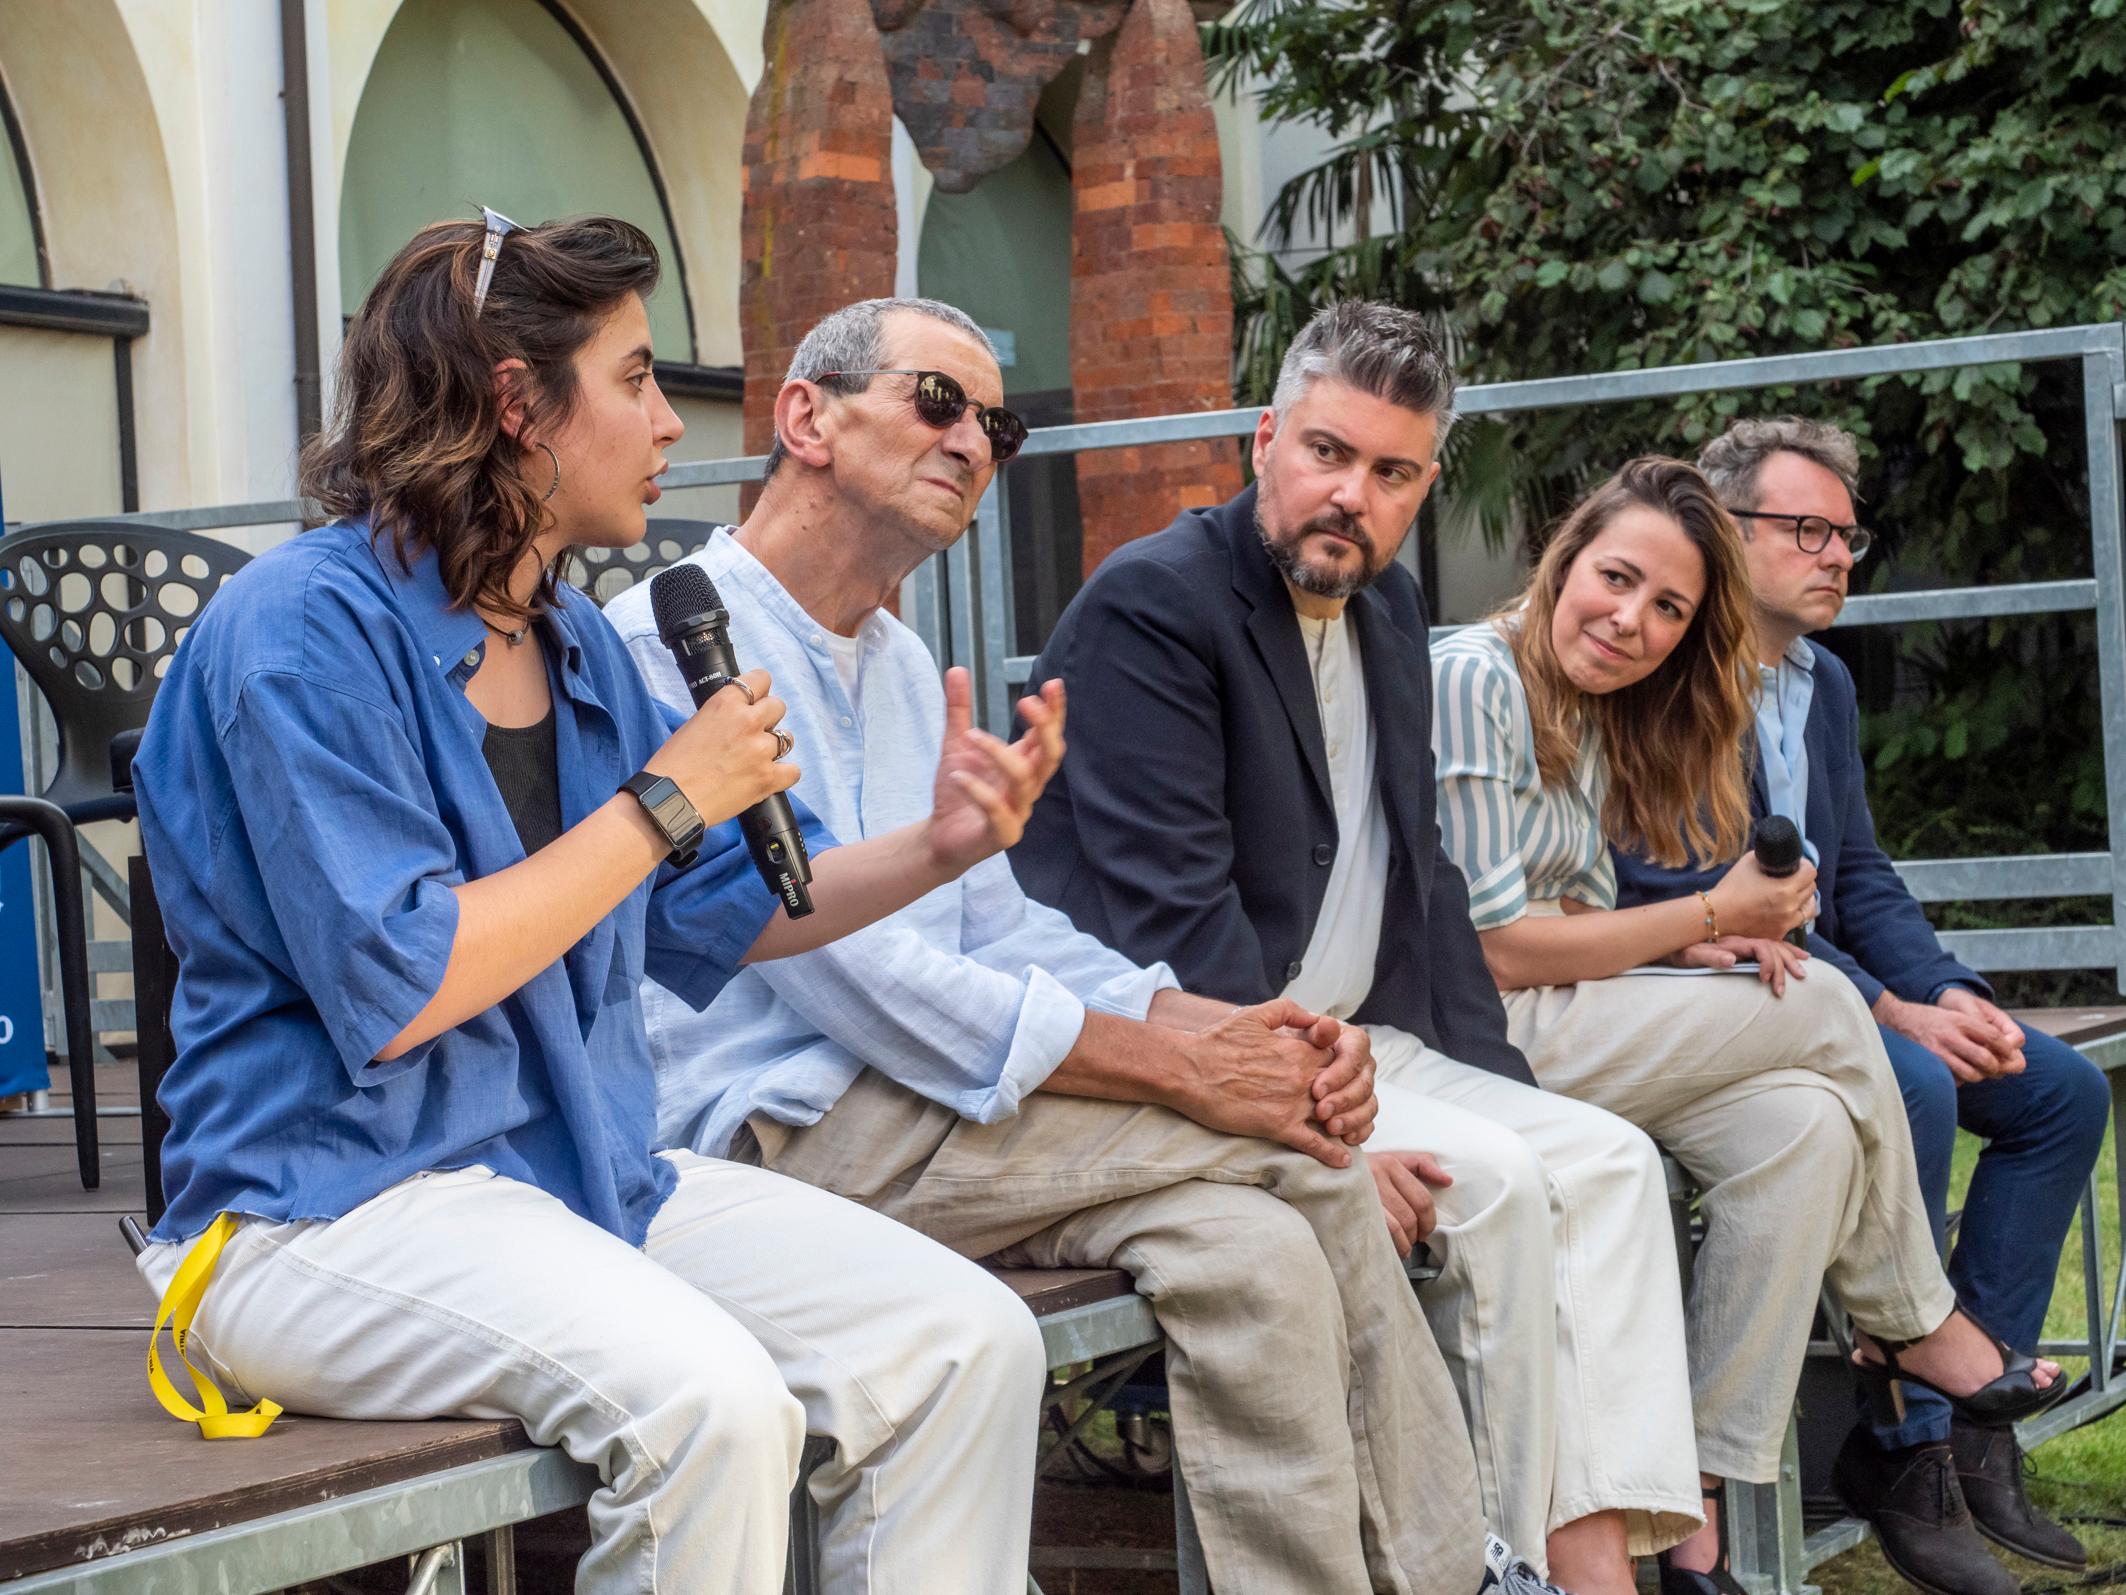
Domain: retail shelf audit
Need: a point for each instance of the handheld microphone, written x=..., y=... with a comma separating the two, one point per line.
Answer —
x=1777, y=844
x=692, y=622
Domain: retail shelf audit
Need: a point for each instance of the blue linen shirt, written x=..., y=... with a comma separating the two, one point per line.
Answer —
x=311, y=785
x=1784, y=693
x=970, y=996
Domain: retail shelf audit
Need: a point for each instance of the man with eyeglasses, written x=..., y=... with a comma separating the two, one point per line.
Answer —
x=1930, y=1485
x=979, y=1069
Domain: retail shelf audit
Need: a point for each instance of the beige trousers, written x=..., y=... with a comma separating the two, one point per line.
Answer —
x=1785, y=1112
x=1316, y=1426
x=1558, y=1307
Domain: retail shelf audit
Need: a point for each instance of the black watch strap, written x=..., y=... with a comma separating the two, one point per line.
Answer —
x=670, y=812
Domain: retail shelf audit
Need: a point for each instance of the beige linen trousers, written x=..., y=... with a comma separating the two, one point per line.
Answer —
x=1785, y=1112
x=1314, y=1421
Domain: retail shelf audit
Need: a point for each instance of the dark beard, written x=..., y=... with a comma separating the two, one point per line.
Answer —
x=1285, y=556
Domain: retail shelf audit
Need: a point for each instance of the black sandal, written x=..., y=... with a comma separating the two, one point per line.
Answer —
x=2010, y=1397
x=1688, y=1580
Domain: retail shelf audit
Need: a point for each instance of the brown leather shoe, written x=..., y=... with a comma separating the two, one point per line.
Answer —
x=1911, y=1499
x=1989, y=1470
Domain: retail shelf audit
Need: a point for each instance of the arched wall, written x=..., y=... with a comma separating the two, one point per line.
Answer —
x=100, y=167
x=683, y=68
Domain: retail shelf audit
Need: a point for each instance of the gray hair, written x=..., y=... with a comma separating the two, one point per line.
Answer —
x=1379, y=349
x=853, y=339
x=1733, y=459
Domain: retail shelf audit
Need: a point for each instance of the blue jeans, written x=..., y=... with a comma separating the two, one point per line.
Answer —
x=2042, y=1130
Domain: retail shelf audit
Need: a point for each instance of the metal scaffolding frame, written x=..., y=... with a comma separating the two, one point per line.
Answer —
x=961, y=602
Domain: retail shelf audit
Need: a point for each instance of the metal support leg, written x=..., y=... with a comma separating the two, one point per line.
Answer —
x=1764, y=1531
x=439, y=1570
x=1190, y=1574
x=500, y=1546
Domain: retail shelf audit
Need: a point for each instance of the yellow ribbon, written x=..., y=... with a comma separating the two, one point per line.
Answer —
x=179, y=1303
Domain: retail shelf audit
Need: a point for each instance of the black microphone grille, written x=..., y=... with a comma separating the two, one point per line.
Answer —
x=1777, y=844
x=679, y=596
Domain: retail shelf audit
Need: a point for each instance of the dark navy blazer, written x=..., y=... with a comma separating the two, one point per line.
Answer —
x=1870, y=926
x=1192, y=820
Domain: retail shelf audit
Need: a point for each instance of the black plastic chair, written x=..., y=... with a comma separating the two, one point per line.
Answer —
x=34, y=816
x=606, y=573
x=95, y=610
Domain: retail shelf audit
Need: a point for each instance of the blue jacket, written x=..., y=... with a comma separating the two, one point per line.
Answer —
x=1870, y=926
x=1192, y=820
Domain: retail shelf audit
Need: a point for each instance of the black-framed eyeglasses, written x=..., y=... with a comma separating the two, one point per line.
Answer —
x=1813, y=532
x=499, y=227
x=941, y=401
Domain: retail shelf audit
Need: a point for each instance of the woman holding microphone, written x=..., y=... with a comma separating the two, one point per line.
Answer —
x=1608, y=704
x=419, y=832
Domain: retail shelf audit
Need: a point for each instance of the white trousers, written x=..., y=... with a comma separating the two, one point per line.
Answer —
x=688, y=1373
x=1559, y=1308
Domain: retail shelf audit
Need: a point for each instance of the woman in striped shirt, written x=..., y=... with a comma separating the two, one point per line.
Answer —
x=1609, y=703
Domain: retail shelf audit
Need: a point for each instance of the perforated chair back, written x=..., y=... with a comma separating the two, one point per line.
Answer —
x=606, y=573
x=94, y=610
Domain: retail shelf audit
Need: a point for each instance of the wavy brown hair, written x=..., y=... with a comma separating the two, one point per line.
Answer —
x=1673, y=741
x=416, y=442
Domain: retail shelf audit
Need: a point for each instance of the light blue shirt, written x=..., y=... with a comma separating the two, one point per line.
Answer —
x=1784, y=693
x=970, y=996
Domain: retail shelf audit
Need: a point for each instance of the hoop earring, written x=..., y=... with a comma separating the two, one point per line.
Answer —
x=550, y=454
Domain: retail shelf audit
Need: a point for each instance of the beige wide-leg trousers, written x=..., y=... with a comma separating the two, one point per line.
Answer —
x=1558, y=1306
x=1315, y=1423
x=1785, y=1112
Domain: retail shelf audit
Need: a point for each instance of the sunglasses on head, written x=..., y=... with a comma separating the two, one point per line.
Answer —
x=941, y=401
x=499, y=227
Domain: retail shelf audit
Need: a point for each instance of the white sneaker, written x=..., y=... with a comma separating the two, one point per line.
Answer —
x=1507, y=1574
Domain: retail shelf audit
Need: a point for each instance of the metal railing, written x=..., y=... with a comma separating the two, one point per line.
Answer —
x=981, y=637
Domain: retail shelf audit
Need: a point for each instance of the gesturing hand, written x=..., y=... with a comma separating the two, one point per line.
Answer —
x=985, y=787
x=1404, y=1181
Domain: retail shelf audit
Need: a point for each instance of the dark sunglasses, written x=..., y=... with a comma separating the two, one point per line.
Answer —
x=941, y=401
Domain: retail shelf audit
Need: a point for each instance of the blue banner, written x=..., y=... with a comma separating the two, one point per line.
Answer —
x=22, y=1062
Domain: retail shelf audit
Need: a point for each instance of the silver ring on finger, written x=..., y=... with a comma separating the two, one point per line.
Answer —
x=784, y=742
x=739, y=683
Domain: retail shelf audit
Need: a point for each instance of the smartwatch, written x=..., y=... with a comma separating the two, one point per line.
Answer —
x=669, y=810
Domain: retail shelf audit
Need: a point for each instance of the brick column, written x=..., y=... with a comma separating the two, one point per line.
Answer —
x=819, y=225
x=1151, y=310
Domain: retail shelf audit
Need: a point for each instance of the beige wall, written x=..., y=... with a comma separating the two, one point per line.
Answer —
x=58, y=425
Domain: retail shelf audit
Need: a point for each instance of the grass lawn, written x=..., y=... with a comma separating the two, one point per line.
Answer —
x=2083, y=1472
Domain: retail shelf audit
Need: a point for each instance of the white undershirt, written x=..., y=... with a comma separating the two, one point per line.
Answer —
x=844, y=651
x=1337, y=971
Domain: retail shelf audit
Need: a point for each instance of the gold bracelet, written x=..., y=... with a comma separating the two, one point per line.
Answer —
x=1712, y=923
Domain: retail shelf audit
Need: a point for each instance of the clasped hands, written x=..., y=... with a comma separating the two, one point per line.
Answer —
x=1303, y=1079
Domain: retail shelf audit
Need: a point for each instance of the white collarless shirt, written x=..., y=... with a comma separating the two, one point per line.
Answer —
x=1336, y=971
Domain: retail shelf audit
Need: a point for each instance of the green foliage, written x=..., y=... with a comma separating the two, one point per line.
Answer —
x=1578, y=188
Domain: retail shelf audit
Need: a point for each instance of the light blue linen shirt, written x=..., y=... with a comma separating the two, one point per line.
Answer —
x=1784, y=693
x=970, y=996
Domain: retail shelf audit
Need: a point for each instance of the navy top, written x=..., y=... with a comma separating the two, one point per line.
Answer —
x=1869, y=924
x=311, y=785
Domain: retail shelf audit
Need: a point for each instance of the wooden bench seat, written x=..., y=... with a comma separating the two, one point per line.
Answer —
x=94, y=1471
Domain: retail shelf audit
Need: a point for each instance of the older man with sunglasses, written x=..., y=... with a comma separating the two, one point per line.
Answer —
x=1931, y=1484
x=977, y=1068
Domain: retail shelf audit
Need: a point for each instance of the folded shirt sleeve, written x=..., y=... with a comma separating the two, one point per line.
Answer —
x=355, y=864
x=1475, y=733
